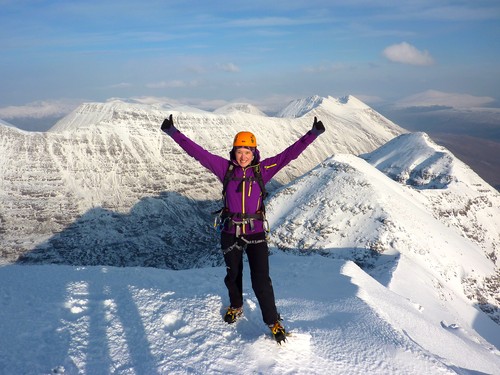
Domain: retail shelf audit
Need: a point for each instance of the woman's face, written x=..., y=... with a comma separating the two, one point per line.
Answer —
x=243, y=157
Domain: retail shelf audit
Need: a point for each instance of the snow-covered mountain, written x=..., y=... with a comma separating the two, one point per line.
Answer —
x=346, y=209
x=456, y=195
x=385, y=262
x=299, y=107
x=109, y=164
x=241, y=107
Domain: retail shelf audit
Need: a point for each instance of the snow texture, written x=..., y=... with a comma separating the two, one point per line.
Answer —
x=386, y=262
x=108, y=320
x=109, y=164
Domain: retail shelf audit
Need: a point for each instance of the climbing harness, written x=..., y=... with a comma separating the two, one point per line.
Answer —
x=226, y=219
x=241, y=244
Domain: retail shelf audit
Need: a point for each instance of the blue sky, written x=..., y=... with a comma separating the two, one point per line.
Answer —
x=207, y=53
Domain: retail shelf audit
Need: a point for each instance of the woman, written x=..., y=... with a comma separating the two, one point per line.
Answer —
x=243, y=224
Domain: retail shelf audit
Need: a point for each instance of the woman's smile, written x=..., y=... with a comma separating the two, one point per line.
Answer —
x=243, y=157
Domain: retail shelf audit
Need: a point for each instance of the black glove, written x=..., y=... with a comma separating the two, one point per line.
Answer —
x=318, y=127
x=168, y=126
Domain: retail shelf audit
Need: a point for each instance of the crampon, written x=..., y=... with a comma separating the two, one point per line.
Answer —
x=278, y=332
x=232, y=314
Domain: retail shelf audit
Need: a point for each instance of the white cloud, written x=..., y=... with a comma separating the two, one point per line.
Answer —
x=40, y=109
x=171, y=84
x=229, y=67
x=405, y=53
x=455, y=100
x=121, y=85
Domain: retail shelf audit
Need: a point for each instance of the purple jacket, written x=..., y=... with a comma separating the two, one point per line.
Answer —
x=249, y=199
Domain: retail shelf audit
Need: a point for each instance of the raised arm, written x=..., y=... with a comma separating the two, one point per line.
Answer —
x=274, y=164
x=214, y=163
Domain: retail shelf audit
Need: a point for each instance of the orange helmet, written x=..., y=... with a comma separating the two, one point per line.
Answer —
x=245, y=139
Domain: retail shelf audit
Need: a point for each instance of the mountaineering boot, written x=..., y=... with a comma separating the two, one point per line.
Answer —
x=278, y=332
x=232, y=314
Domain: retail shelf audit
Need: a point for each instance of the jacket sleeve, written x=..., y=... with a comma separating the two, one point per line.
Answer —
x=214, y=163
x=274, y=164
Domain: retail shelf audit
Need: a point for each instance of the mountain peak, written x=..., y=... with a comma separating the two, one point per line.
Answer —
x=299, y=107
x=239, y=107
x=117, y=110
x=92, y=113
x=414, y=159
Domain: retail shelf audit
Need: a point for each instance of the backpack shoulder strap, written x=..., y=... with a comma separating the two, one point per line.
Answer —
x=258, y=175
x=227, y=177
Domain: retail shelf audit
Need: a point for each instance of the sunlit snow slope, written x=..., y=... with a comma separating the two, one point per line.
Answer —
x=108, y=320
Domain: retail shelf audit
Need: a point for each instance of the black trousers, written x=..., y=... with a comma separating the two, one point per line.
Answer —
x=258, y=260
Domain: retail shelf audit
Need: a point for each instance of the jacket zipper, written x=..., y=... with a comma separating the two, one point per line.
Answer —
x=243, y=193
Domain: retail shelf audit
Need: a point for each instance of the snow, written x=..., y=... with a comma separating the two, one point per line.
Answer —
x=241, y=107
x=383, y=263
x=111, y=156
x=299, y=107
x=340, y=106
x=89, y=320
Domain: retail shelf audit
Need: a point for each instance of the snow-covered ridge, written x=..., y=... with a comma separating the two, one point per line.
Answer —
x=414, y=159
x=456, y=194
x=300, y=107
x=239, y=107
x=91, y=114
x=345, y=208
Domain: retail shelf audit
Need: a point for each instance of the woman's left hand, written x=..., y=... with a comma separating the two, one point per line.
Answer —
x=318, y=127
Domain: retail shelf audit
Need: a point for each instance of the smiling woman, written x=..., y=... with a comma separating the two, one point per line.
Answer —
x=242, y=221
x=244, y=147
x=244, y=156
